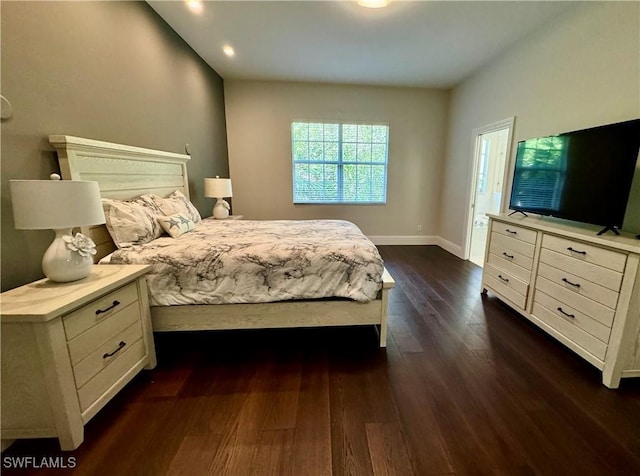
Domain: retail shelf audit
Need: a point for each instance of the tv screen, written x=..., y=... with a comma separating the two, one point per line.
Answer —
x=582, y=175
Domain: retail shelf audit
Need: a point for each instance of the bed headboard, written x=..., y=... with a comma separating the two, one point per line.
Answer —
x=122, y=172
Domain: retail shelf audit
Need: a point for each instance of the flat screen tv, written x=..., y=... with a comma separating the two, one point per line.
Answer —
x=583, y=176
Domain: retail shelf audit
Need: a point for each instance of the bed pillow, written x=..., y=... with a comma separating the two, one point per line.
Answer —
x=175, y=204
x=177, y=224
x=130, y=222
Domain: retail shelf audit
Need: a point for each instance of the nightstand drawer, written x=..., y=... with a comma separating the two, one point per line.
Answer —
x=96, y=336
x=106, y=378
x=106, y=354
x=99, y=310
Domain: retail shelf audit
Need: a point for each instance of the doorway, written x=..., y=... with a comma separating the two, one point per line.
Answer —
x=487, y=192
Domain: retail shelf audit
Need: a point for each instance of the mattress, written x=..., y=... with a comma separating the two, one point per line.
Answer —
x=246, y=261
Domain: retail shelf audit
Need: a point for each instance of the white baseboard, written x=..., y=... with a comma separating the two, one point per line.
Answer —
x=418, y=240
x=404, y=240
x=450, y=247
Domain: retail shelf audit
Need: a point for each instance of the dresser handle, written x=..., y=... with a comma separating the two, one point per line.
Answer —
x=120, y=347
x=577, y=251
x=101, y=311
x=512, y=232
x=576, y=285
x=504, y=279
x=508, y=256
x=572, y=316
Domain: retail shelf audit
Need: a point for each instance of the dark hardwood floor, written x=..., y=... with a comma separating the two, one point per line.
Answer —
x=465, y=386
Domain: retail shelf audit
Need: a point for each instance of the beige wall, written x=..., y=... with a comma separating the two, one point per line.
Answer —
x=259, y=116
x=110, y=71
x=582, y=70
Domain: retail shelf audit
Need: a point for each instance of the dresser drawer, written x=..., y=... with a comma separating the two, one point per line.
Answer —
x=506, y=284
x=580, y=319
x=591, y=308
x=586, y=253
x=596, y=274
x=127, y=359
x=99, y=310
x=513, y=231
x=571, y=331
x=98, y=335
x=106, y=354
x=579, y=285
x=509, y=265
x=502, y=243
x=502, y=250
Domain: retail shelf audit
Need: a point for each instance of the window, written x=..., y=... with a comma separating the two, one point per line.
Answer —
x=339, y=163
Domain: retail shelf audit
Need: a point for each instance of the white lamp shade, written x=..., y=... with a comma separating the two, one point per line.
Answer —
x=55, y=204
x=217, y=187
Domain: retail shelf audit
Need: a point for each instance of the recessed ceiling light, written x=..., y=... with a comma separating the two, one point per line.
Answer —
x=373, y=3
x=195, y=6
x=228, y=50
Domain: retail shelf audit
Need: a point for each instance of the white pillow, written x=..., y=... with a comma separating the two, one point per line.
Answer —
x=176, y=225
x=174, y=204
x=130, y=222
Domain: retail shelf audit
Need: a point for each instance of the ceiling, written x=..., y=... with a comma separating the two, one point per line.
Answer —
x=408, y=43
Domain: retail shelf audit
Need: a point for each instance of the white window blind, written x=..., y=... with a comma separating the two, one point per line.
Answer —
x=339, y=163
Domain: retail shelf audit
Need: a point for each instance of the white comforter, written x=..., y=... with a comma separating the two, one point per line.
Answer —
x=242, y=261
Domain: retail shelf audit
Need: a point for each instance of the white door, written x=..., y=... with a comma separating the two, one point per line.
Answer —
x=490, y=158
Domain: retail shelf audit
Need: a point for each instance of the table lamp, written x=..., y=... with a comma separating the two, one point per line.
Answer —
x=218, y=188
x=59, y=205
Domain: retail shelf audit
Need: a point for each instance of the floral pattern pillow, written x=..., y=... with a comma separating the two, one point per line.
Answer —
x=174, y=204
x=130, y=222
x=176, y=225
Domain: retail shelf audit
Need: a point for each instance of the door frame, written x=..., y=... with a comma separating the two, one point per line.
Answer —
x=507, y=123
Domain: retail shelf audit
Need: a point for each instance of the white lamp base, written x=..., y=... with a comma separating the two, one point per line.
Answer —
x=221, y=209
x=63, y=265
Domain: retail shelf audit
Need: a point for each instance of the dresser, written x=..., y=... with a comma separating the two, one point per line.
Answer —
x=68, y=348
x=581, y=288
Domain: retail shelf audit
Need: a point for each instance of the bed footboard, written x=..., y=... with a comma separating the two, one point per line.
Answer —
x=285, y=314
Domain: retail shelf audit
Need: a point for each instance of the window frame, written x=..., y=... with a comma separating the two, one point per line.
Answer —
x=340, y=163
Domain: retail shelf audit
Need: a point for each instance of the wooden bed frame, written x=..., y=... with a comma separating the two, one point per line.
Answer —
x=124, y=172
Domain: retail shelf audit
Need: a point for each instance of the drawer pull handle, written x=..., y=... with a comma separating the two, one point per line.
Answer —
x=577, y=251
x=575, y=285
x=510, y=231
x=508, y=255
x=101, y=311
x=111, y=354
x=503, y=278
x=572, y=316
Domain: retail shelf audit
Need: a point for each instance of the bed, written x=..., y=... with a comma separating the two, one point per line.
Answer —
x=125, y=172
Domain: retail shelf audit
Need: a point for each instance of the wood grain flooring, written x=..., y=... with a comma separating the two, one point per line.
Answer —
x=465, y=387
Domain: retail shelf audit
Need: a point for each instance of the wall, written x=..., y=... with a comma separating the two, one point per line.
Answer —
x=110, y=71
x=581, y=71
x=259, y=116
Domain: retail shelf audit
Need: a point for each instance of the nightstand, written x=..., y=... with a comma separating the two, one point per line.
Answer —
x=68, y=348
